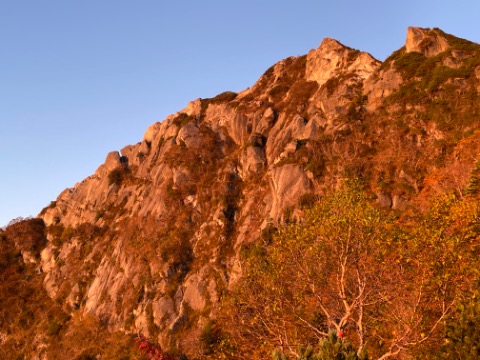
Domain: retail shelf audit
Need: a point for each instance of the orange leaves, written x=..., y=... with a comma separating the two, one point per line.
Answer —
x=385, y=282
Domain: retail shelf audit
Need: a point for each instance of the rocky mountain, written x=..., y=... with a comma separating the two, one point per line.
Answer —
x=151, y=241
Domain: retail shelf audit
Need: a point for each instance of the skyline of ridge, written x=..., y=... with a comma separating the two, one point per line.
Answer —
x=83, y=80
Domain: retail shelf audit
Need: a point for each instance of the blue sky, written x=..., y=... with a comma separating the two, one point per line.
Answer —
x=81, y=78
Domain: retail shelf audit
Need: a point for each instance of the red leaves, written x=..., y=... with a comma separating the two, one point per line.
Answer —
x=152, y=351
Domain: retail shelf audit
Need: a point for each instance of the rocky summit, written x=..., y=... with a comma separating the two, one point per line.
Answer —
x=151, y=243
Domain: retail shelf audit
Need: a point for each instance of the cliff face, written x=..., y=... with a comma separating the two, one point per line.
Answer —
x=151, y=240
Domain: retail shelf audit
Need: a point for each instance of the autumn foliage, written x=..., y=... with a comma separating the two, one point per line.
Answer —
x=152, y=351
x=387, y=283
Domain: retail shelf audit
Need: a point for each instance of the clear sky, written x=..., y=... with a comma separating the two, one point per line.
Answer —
x=80, y=78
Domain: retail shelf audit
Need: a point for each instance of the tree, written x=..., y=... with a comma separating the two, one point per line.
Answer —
x=473, y=187
x=463, y=334
x=332, y=347
x=383, y=283
x=27, y=234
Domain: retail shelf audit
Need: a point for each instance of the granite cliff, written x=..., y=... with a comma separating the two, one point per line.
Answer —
x=150, y=242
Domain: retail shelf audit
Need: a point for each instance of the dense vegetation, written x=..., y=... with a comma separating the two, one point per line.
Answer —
x=33, y=323
x=347, y=281
x=352, y=276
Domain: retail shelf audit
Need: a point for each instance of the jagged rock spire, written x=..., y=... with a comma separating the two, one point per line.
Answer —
x=426, y=41
x=332, y=58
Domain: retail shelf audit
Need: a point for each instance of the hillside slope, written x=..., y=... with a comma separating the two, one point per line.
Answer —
x=151, y=241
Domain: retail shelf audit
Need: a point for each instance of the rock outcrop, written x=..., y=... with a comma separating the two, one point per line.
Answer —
x=149, y=242
x=332, y=59
x=425, y=41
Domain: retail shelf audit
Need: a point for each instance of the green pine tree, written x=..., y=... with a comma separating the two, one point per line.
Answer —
x=473, y=187
x=329, y=348
x=463, y=334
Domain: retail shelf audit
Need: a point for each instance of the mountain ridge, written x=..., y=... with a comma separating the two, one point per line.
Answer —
x=182, y=153
x=151, y=241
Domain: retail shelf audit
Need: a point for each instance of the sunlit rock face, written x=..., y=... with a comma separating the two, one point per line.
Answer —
x=151, y=240
x=425, y=41
x=332, y=58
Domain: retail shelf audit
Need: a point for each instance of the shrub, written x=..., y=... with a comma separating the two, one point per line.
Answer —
x=209, y=337
x=177, y=250
x=89, y=354
x=182, y=119
x=473, y=188
x=307, y=200
x=442, y=73
x=299, y=94
x=67, y=234
x=54, y=328
x=27, y=234
x=409, y=63
x=118, y=175
x=115, y=176
x=458, y=43
x=463, y=334
x=99, y=214
x=153, y=329
x=331, y=347
x=152, y=351
x=332, y=84
x=50, y=206
x=226, y=96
